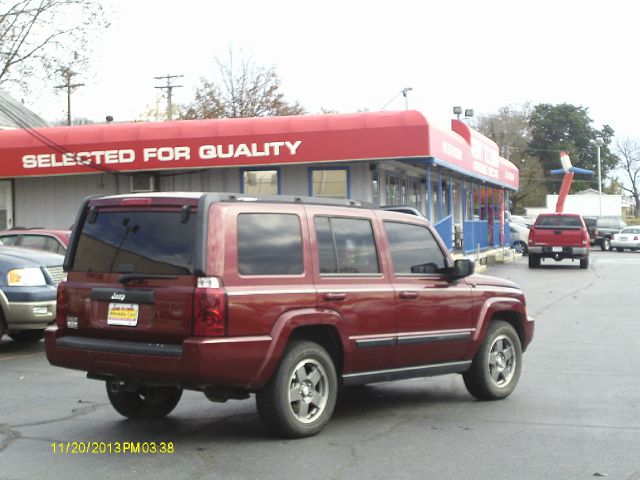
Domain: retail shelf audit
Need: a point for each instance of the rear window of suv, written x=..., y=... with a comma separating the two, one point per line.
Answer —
x=131, y=241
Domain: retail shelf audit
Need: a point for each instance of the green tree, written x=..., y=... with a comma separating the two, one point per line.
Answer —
x=240, y=88
x=565, y=127
x=38, y=37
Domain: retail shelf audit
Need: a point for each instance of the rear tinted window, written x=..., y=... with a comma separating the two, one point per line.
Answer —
x=129, y=241
x=560, y=221
x=269, y=244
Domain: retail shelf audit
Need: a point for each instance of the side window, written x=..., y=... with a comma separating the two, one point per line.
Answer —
x=38, y=242
x=9, y=239
x=414, y=250
x=269, y=244
x=346, y=246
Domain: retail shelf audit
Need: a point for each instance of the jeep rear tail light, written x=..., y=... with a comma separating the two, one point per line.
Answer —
x=210, y=308
x=60, y=306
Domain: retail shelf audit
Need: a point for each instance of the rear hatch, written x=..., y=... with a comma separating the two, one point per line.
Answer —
x=559, y=230
x=132, y=264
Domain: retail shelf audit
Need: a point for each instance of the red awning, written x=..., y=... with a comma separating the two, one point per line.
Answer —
x=177, y=145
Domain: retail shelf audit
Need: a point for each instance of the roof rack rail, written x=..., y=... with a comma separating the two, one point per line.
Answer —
x=241, y=197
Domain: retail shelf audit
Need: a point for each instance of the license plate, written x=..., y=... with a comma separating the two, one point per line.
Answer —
x=556, y=249
x=624, y=239
x=124, y=314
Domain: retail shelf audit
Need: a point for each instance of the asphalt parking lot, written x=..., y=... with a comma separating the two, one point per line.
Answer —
x=574, y=415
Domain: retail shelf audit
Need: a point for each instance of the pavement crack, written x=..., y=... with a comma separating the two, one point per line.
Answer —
x=8, y=436
x=76, y=412
x=546, y=307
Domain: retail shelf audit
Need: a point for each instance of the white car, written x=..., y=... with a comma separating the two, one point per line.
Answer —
x=628, y=237
x=519, y=237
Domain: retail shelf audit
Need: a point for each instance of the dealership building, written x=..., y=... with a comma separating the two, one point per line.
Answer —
x=454, y=175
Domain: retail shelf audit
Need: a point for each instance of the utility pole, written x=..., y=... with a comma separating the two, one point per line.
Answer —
x=67, y=74
x=169, y=87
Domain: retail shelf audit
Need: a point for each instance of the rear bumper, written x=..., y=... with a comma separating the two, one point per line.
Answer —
x=625, y=244
x=566, y=252
x=197, y=362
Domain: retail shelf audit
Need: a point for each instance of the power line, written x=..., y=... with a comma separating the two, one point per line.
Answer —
x=169, y=88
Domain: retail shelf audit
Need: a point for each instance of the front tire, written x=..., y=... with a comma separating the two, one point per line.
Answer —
x=145, y=403
x=299, y=399
x=520, y=247
x=605, y=246
x=496, y=368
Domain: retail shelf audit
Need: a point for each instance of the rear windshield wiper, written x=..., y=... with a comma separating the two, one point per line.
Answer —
x=130, y=277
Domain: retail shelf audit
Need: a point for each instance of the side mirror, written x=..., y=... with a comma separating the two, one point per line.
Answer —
x=462, y=268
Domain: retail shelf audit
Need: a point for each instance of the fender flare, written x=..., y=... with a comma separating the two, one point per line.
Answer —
x=490, y=308
x=281, y=333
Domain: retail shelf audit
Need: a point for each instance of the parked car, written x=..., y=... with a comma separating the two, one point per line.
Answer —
x=284, y=297
x=526, y=221
x=28, y=285
x=627, y=238
x=519, y=237
x=54, y=241
x=558, y=236
x=602, y=229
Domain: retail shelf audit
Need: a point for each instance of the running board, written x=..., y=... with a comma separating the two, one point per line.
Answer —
x=361, y=378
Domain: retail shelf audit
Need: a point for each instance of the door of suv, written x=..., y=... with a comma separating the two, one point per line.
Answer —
x=434, y=314
x=351, y=284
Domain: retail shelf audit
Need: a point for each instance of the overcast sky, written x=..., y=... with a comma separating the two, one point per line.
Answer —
x=353, y=55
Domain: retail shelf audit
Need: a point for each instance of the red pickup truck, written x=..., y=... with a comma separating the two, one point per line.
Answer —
x=558, y=236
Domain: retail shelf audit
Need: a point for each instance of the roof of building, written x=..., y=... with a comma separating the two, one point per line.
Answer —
x=13, y=114
x=247, y=142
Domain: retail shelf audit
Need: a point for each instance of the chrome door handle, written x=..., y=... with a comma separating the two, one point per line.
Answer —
x=335, y=296
x=409, y=294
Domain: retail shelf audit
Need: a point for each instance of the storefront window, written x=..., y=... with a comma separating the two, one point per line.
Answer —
x=332, y=183
x=260, y=182
x=394, y=191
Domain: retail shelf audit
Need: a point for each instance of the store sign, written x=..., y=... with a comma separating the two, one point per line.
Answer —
x=161, y=154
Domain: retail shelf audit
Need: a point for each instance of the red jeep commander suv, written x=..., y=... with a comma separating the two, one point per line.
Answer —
x=287, y=298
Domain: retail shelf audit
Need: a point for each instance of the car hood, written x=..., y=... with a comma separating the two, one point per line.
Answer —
x=488, y=280
x=15, y=257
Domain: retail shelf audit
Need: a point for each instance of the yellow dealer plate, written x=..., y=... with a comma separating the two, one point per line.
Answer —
x=125, y=314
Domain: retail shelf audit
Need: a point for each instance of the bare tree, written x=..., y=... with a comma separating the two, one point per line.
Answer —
x=240, y=88
x=509, y=128
x=629, y=153
x=38, y=37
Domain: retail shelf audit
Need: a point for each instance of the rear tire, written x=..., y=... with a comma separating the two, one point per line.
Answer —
x=620, y=249
x=584, y=262
x=496, y=368
x=605, y=245
x=534, y=261
x=146, y=402
x=299, y=399
x=27, y=336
